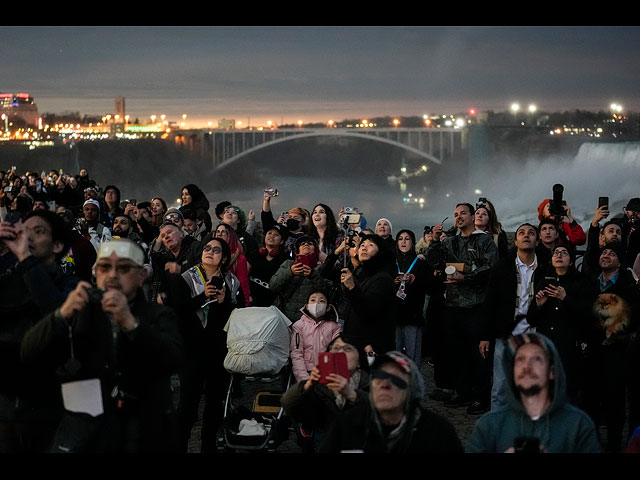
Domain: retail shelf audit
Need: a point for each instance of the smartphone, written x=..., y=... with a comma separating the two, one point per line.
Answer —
x=133, y=201
x=12, y=218
x=546, y=281
x=603, y=202
x=217, y=282
x=8, y=189
x=332, y=362
x=308, y=260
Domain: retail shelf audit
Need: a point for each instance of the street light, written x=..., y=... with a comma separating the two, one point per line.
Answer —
x=515, y=107
x=532, y=108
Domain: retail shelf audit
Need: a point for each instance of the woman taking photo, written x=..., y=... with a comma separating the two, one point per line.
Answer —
x=562, y=311
x=369, y=294
x=313, y=406
x=204, y=297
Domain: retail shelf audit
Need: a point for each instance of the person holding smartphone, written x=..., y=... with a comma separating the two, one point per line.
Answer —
x=561, y=311
x=204, y=297
x=313, y=403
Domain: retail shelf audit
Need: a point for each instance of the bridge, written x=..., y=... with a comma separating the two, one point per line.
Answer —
x=223, y=147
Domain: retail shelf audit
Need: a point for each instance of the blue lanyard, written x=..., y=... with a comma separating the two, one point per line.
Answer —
x=412, y=264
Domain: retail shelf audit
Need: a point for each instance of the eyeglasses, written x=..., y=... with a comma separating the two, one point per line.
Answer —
x=208, y=248
x=171, y=216
x=560, y=253
x=343, y=348
x=382, y=375
x=121, y=269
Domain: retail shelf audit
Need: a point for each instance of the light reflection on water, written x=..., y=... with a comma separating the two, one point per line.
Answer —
x=608, y=169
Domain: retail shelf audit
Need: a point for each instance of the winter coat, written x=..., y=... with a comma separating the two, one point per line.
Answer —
x=294, y=290
x=479, y=254
x=370, y=318
x=421, y=431
x=565, y=322
x=562, y=428
x=136, y=365
x=309, y=337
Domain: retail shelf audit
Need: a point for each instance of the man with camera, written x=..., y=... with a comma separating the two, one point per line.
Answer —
x=538, y=418
x=114, y=353
x=34, y=285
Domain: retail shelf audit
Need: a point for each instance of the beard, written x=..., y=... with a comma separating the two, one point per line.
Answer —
x=531, y=391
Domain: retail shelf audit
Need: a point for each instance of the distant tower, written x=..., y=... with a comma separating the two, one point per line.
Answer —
x=120, y=110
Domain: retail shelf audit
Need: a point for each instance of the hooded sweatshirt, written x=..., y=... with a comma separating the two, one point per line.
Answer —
x=421, y=430
x=562, y=428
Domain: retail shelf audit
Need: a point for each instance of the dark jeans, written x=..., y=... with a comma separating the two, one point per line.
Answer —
x=462, y=335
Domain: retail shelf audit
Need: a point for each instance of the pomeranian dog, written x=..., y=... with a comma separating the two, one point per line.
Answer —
x=613, y=312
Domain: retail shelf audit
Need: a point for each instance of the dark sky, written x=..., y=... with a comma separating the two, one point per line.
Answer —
x=319, y=73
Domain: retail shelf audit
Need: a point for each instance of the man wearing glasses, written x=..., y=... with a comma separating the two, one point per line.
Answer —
x=114, y=353
x=394, y=419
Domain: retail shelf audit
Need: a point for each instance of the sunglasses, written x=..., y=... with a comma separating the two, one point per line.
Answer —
x=397, y=381
x=208, y=248
x=171, y=216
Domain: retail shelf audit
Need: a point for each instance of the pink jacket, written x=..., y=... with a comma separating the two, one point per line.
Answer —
x=308, y=339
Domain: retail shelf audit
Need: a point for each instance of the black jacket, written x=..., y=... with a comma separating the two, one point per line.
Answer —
x=137, y=365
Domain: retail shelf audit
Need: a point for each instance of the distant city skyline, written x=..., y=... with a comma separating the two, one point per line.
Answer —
x=313, y=74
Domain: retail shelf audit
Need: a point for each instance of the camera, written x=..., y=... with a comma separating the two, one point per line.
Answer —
x=271, y=192
x=95, y=295
x=427, y=229
x=482, y=202
x=527, y=445
x=557, y=203
x=350, y=216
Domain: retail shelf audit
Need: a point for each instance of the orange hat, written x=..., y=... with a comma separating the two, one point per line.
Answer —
x=541, y=208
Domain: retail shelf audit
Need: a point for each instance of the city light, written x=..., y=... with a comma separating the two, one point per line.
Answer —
x=515, y=107
x=532, y=108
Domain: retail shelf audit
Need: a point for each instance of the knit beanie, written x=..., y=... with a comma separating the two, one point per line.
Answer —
x=541, y=208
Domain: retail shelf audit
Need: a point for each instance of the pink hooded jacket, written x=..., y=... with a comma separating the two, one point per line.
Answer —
x=309, y=338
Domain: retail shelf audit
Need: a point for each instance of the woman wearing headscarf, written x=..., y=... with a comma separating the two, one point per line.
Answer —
x=411, y=281
x=193, y=196
x=369, y=292
x=384, y=230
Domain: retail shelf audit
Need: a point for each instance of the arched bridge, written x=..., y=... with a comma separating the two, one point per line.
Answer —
x=223, y=147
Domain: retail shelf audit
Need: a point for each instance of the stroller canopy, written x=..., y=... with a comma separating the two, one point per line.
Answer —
x=257, y=341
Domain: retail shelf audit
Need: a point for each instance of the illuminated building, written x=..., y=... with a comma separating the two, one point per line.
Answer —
x=19, y=105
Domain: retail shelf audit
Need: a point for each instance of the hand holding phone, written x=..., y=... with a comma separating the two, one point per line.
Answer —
x=332, y=362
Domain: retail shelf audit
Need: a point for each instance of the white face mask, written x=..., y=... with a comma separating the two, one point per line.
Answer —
x=317, y=309
x=370, y=360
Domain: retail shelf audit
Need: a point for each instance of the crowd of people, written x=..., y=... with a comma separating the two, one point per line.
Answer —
x=112, y=316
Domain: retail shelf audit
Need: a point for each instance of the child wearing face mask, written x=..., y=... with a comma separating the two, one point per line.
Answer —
x=317, y=327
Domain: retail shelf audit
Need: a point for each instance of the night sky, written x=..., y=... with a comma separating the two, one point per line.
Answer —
x=284, y=74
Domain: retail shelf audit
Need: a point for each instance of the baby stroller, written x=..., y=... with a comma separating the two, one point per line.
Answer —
x=258, y=361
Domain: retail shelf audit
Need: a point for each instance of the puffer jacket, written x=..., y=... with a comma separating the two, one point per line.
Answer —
x=294, y=290
x=479, y=253
x=310, y=337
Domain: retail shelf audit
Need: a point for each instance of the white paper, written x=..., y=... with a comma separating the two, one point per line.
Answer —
x=83, y=396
